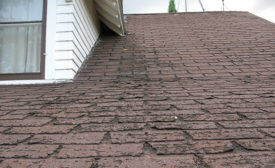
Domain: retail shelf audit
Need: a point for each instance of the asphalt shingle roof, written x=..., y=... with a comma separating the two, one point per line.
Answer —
x=184, y=90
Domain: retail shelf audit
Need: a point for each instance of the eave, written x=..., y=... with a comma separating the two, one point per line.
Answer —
x=110, y=12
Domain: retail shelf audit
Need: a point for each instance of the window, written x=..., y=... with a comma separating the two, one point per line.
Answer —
x=22, y=25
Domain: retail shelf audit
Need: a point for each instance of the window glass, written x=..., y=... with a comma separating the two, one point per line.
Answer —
x=20, y=43
x=20, y=48
x=21, y=10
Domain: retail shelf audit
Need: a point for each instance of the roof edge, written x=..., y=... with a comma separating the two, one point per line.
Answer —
x=187, y=12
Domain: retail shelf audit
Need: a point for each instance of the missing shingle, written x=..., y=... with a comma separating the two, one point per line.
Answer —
x=266, y=134
x=238, y=148
x=219, y=126
x=199, y=162
x=94, y=165
x=148, y=149
x=107, y=138
x=242, y=116
x=115, y=120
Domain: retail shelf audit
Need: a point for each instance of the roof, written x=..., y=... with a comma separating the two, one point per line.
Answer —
x=184, y=90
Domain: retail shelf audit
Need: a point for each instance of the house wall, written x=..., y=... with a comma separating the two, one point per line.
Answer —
x=77, y=30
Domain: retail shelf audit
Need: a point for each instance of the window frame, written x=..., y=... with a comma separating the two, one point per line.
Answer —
x=35, y=75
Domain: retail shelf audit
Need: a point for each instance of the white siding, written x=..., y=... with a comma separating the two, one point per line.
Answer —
x=77, y=30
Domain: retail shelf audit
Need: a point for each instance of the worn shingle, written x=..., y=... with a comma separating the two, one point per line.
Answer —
x=180, y=90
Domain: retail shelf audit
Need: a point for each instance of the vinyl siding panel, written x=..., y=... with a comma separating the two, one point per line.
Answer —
x=77, y=31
